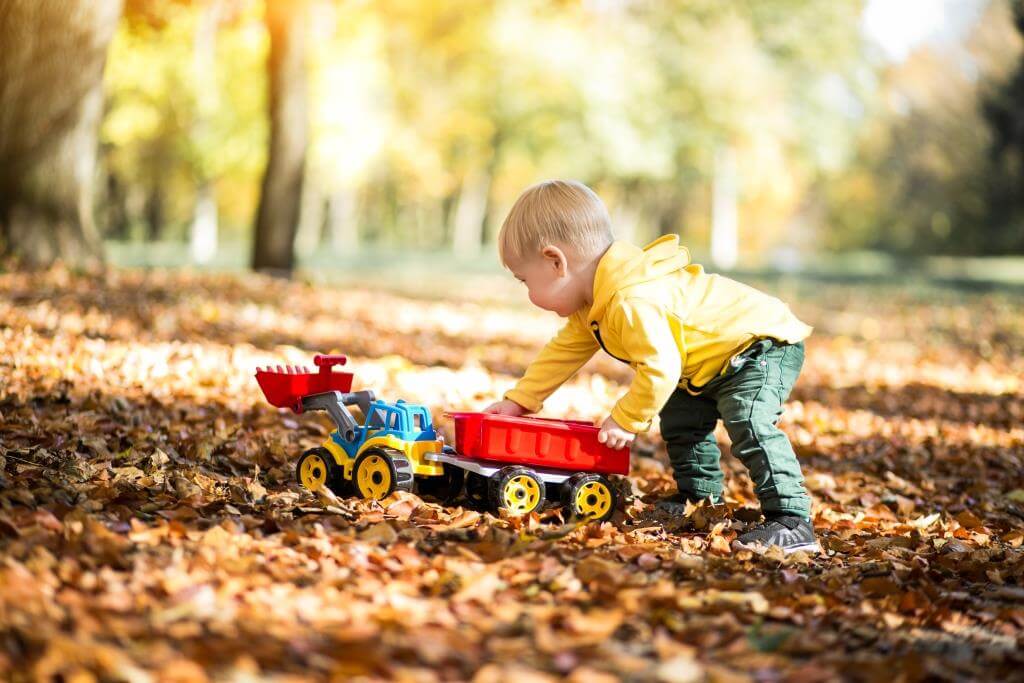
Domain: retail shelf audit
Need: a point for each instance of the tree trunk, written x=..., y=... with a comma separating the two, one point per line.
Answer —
x=312, y=212
x=343, y=221
x=470, y=214
x=724, y=213
x=281, y=196
x=153, y=208
x=625, y=220
x=51, y=102
x=202, y=244
x=115, y=213
x=203, y=232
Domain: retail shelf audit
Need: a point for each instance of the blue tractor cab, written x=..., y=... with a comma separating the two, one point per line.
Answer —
x=405, y=421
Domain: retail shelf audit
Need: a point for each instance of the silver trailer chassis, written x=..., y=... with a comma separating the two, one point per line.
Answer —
x=487, y=468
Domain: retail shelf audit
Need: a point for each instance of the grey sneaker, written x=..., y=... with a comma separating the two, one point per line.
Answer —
x=789, y=532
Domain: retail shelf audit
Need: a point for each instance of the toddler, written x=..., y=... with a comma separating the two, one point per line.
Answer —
x=703, y=347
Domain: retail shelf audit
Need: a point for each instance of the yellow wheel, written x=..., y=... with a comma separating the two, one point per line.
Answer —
x=589, y=495
x=316, y=469
x=518, y=490
x=374, y=475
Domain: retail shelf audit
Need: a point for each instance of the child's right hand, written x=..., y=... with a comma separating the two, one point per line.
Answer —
x=506, y=407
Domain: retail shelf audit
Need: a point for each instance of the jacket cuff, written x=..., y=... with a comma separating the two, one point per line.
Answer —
x=628, y=423
x=531, y=404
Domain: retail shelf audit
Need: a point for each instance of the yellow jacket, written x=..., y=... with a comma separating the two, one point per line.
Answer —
x=673, y=323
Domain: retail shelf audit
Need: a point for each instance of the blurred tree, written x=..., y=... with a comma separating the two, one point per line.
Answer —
x=762, y=84
x=280, y=199
x=1004, y=111
x=51, y=101
x=204, y=228
x=184, y=132
x=427, y=118
x=928, y=176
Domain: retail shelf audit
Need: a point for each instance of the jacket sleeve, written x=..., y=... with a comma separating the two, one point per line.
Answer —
x=558, y=361
x=658, y=361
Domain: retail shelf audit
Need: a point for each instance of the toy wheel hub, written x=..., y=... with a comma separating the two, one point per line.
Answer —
x=594, y=498
x=374, y=477
x=314, y=472
x=521, y=494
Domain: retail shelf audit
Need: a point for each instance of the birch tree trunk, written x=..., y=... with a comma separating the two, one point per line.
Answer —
x=724, y=212
x=203, y=232
x=343, y=221
x=470, y=214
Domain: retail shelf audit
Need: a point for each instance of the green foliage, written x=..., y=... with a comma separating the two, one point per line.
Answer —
x=1004, y=111
x=412, y=102
x=175, y=121
x=936, y=170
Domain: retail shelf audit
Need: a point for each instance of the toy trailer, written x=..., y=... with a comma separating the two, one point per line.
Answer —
x=509, y=463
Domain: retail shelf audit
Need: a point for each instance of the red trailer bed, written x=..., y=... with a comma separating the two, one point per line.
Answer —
x=538, y=442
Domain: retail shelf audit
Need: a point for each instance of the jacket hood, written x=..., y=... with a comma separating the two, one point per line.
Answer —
x=625, y=264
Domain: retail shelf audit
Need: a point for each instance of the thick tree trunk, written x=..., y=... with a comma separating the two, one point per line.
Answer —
x=51, y=100
x=281, y=197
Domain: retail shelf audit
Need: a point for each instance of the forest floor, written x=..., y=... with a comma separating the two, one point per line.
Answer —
x=151, y=527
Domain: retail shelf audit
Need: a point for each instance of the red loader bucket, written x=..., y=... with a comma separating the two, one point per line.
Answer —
x=285, y=386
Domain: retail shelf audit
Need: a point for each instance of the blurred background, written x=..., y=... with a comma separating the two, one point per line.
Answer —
x=869, y=137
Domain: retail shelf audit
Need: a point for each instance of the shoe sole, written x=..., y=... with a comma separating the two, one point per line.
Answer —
x=813, y=548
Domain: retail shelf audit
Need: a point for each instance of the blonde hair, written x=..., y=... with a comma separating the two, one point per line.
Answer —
x=555, y=211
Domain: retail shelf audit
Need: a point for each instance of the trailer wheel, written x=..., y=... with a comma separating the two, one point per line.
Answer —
x=316, y=469
x=444, y=488
x=377, y=472
x=516, y=489
x=589, y=495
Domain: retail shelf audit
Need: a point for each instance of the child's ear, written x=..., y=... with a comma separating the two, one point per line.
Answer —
x=556, y=258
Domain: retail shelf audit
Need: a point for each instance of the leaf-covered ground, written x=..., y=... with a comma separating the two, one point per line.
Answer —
x=151, y=527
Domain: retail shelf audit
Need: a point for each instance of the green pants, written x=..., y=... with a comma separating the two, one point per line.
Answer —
x=748, y=398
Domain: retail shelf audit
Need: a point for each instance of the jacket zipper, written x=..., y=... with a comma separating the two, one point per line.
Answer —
x=600, y=342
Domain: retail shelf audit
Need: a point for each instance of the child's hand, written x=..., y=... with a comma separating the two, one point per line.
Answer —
x=614, y=436
x=506, y=407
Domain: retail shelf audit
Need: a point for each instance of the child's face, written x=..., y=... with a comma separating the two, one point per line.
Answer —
x=551, y=281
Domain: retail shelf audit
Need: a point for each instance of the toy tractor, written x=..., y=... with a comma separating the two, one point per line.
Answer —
x=385, y=453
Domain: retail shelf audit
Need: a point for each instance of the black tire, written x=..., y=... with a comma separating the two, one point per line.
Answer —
x=444, y=488
x=477, y=490
x=516, y=489
x=394, y=463
x=588, y=494
x=326, y=469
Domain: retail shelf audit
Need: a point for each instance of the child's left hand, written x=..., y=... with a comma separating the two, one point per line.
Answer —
x=614, y=436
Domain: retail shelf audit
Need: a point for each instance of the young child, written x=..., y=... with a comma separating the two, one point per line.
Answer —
x=703, y=348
